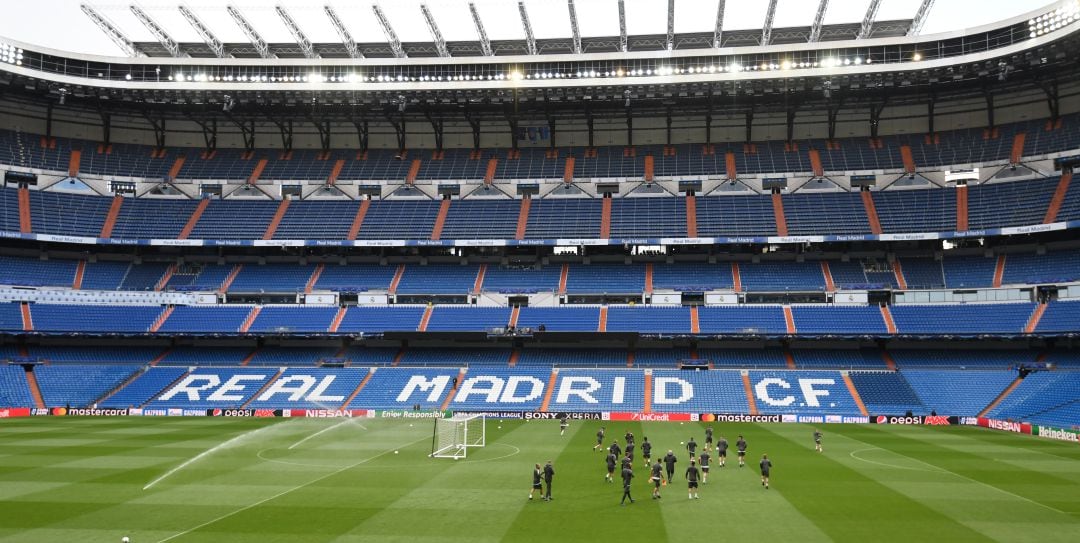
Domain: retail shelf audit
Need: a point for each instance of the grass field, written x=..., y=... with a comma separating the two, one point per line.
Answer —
x=323, y=480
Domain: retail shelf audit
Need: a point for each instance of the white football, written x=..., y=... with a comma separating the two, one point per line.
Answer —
x=395, y=452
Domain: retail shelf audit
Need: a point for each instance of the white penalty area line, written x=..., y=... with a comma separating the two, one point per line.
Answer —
x=293, y=489
x=205, y=453
x=321, y=432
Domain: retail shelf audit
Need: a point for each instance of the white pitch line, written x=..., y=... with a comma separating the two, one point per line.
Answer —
x=204, y=454
x=319, y=433
x=293, y=489
x=884, y=464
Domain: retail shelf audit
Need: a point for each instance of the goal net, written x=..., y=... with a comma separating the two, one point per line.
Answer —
x=455, y=435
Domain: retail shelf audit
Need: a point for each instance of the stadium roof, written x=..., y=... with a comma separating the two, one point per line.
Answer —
x=416, y=28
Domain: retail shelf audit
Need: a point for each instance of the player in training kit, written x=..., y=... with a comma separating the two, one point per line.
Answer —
x=708, y=437
x=669, y=462
x=704, y=458
x=766, y=465
x=537, y=475
x=691, y=447
x=630, y=449
x=563, y=423
x=721, y=451
x=615, y=449
x=599, y=439
x=692, y=480
x=628, y=437
x=656, y=478
x=611, y=461
x=646, y=451
x=741, y=446
x=549, y=473
x=817, y=440
x=626, y=462
x=627, y=476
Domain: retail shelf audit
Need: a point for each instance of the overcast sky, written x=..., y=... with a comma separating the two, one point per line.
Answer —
x=60, y=24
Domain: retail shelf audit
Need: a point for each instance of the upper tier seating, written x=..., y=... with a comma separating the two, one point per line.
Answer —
x=962, y=319
x=957, y=393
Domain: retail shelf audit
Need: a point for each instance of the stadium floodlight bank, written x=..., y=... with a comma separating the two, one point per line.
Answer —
x=452, y=437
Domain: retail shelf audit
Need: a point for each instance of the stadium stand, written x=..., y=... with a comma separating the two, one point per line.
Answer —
x=79, y=386
x=959, y=393
x=14, y=390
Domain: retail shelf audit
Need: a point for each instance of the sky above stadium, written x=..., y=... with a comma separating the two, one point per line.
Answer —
x=61, y=24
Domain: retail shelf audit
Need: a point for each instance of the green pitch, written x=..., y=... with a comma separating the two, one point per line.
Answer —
x=334, y=480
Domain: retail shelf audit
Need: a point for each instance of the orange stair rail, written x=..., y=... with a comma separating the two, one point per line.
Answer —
x=335, y=172
x=489, y=174
x=548, y=390
x=358, y=220
x=695, y=320
x=310, y=285
x=647, y=408
x=440, y=219
x=338, y=317
x=250, y=319
x=453, y=390
x=605, y=219
x=35, y=389
x=194, y=219
x=778, y=211
x=630, y=358
x=1036, y=316
x=826, y=272
x=563, y=276
x=269, y=382
x=74, y=161
x=396, y=280
x=110, y=219
x=648, y=278
x=729, y=165
x=898, y=272
x=909, y=160
x=1058, y=199
x=1004, y=394
x=886, y=315
x=888, y=359
x=568, y=170
x=602, y=326
x=961, y=208
x=999, y=271
x=871, y=212
x=164, y=280
x=736, y=276
x=230, y=278
x=789, y=320
x=414, y=170
x=1017, y=148
x=815, y=163
x=27, y=318
x=515, y=355
x=691, y=216
x=250, y=356
x=177, y=165
x=649, y=167
x=259, y=167
x=80, y=271
x=750, y=401
x=855, y=394
x=478, y=283
x=160, y=320
x=348, y=401
x=523, y=218
x=515, y=313
x=278, y=215
x=789, y=359
x=25, y=218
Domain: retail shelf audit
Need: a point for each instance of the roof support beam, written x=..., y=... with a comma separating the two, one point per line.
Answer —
x=919, y=20
x=297, y=34
x=868, y=19
x=819, y=20
x=436, y=35
x=718, y=30
x=203, y=31
x=343, y=33
x=159, y=33
x=670, y=40
x=530, y=40
x=766, y=29
x=624, y=43
x=485, y=43
x=110, y=30
x=252, y=35
x=391, y=36
x=574, y=26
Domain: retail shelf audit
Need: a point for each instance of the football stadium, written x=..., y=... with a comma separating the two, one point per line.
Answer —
x=389, y=270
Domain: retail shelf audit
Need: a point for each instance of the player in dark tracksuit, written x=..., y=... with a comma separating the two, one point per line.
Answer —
x=741, y=446
x=611, y=461
x=692, y=480
x=627, y=462
x=599, y=439
x=691, y=447
x=615, y=449
x=537, y=474
x=766, y=465
x=704, y=466
x=630, y=449
x=549, y=473
x=669, y=463
x=627, y=476
x=656, y=478
x=721, y=451
x=628, y=437
x=646, y=451
x=708, y=438
x=563, y=423
x=817, y=440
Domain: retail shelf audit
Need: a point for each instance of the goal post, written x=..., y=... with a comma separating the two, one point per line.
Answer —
x=452, y=437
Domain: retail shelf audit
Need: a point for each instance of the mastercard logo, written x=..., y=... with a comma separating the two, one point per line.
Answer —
x=59, y=411
x=709, y=417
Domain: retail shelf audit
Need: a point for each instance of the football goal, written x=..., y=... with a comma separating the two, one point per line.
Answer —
x=453, y=436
